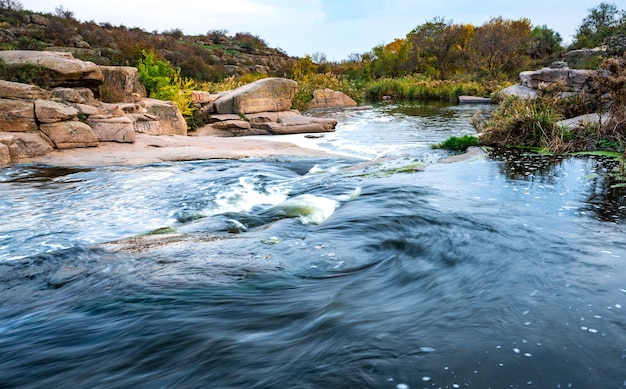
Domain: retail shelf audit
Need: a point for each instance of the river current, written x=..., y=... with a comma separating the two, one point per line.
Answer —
x=382, y=268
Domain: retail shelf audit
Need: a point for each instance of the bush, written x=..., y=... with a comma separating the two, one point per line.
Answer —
x=163, y=82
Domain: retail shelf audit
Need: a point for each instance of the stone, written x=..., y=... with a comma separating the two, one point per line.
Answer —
x=202, y=97
x=583, y=120
x=5, y=155
x=112, y=129
x=86, y=110
x=172, y=121
x=265, y=95
x=17, y=116
x=122, y=82
x=27, y=145
x=262, y=117
x=70, y=134
x=64, y=69
x=145, y=123
x=575, y=79
x=328, y=98
x=70, y=95
x=36, y=19
x=293, y=119
x=48, y=111
x=16, y=90
x=521, y=91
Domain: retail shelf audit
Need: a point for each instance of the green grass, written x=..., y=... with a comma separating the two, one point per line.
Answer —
x=457, y=143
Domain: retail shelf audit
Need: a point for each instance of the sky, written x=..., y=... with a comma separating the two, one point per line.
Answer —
x=336, y=28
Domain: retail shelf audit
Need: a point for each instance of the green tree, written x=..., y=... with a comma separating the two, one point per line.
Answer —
x=544, y=42
x=437, y=46
x=602, y=23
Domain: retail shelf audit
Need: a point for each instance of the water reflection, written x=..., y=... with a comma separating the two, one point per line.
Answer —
x=602, y=198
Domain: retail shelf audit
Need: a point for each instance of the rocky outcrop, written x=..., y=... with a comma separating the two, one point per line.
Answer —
x=265, y=95
x=64, y=70
x=17, y=115
x=70, y=134
x=16, y=90
x=264, y=123
x=559, y=77
x=328, y=98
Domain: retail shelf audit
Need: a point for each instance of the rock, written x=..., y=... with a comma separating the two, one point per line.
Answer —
x=36, y=19
x=16, y=90
x=575, y=79
x=86, y=110
x=292, y=119
x=583, y=120
x=75, y=95
x=145, y=123
x=48, y=111
x=328, y=98
x=27, y=145
x=112, y=129
x=523, y=92
x=70, y=134
x=63, y=68
x=262, y=117
x=202, y=97
x=172, y=121
x=474, y=100
x=17, y=115
x=5, y=155
x=120, y=83
x=265, y=95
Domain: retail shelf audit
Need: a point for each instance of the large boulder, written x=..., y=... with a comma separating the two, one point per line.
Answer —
x=265, y=95
x=518, y=90
x=48, y=111
x=62, y=68
x=168, y=114
x=16, y=90
x=574, y=79
x=17, y=116
x=328, y=98
x=121, y=84
x=70, y=134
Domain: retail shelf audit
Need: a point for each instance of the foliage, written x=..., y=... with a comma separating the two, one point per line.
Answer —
x=602, y=26
x=544, y=42
x=163, y=82
x=13, y=5
x=521, y=122
x=533, y=123
x=458, y=143
x=499, y=47
x=26, y=74
x=423, y=88
x=439, y=46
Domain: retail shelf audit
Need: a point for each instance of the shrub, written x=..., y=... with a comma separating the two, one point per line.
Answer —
x=163, y=82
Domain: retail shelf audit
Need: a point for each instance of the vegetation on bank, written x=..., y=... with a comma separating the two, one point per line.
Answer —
x=438, y=59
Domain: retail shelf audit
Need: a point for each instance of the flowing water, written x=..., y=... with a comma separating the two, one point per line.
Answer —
x=381, y=269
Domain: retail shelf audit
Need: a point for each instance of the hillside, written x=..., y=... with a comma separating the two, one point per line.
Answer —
x=210, y=57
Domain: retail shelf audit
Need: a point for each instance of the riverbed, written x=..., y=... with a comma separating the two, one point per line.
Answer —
x=382, y=268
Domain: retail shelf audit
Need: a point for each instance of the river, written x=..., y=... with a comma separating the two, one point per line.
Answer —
x=380, y=269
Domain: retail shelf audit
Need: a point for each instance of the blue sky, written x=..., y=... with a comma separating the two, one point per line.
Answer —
x=337, y=28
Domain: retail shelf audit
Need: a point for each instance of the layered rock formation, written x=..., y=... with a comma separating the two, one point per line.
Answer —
x=259, y=108
x=69, y=113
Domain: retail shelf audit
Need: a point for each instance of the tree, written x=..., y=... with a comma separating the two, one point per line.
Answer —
x=438, y=46
x=544, y=42
x=603, y=22
x=63, y=12
x=13, y=5
x=500, y=47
